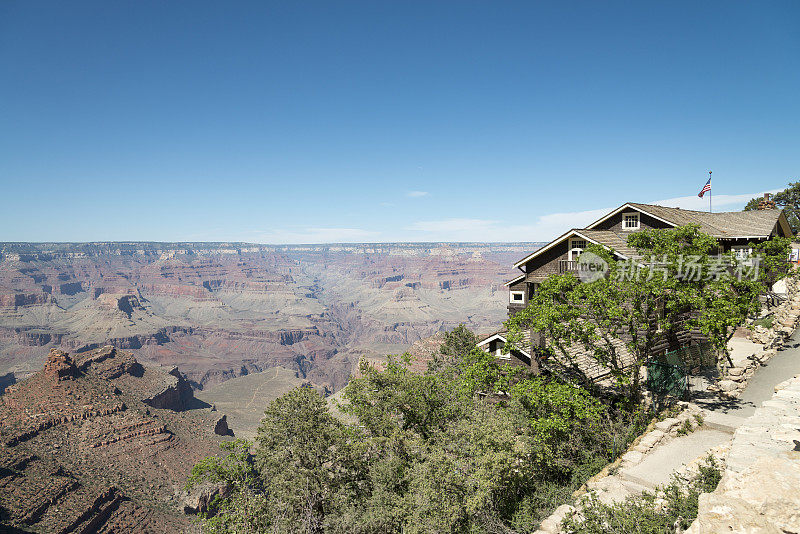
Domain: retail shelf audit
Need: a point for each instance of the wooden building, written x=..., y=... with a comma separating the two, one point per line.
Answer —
x=735, y=231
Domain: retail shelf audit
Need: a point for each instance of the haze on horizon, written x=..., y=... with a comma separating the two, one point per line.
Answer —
x=374, y=122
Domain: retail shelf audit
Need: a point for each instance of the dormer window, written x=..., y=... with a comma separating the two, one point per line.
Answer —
x=630, y=221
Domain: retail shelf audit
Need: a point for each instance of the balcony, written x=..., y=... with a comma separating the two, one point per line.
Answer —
x=567, y=266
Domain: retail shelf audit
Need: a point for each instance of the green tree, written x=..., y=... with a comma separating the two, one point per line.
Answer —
x=752, y=204
x=472, y=473
x=306, y=460
x=711, y=292
x=458, y=343
x=789, y=200
x=482, y=372
x=242, y=505
x=772, y=255
x=422, y=454
x=613, y=320
x=395, y=398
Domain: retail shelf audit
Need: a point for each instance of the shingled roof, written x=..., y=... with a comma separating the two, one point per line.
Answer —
x=729, y=224
x=758, y=224
x=613, y=240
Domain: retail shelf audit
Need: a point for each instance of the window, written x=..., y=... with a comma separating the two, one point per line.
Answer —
x=576, y=246
x=630, y=221
x=743, y=254
x=516, y=297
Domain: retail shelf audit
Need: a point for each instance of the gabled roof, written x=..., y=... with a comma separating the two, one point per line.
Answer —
x=581, y=358
x=607, y=238
x=724, y=225
x=604, y=238
x=757, y=224
x=627, y=205
x=513, y=280
x=502, y=337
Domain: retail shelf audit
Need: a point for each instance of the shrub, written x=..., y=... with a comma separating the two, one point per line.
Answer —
x=672, y=507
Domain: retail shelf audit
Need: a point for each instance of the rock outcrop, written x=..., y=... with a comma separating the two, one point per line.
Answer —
x=762, y=498
x=174, y=393
x=198, y=499
x=221, y=427
x=59, y=366
x=81, y=452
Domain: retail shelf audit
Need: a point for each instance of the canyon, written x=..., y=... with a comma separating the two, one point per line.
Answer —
x=124, y=364
x=218, y=311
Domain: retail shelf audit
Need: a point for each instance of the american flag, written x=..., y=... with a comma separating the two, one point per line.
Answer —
x=705, y=189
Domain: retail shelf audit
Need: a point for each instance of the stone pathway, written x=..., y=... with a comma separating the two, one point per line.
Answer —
x=742, y=421
x=721, y=418
x=760, y=491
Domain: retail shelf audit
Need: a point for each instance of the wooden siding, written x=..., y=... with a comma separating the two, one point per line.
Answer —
x=546, y=263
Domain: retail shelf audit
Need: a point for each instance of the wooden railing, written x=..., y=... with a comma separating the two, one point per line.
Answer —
x=565, y=266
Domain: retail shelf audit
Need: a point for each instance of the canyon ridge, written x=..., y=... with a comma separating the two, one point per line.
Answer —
x=218, y=311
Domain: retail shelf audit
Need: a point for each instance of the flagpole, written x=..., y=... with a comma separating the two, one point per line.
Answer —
x=709, y=192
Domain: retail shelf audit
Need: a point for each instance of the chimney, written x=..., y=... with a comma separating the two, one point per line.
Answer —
x=766, y=203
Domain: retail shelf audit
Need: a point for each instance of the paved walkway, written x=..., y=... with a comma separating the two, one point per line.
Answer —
x=729, y=415
x=657, y=467
x=722, y=420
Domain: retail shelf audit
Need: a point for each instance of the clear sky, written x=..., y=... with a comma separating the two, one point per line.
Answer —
x=384, y=121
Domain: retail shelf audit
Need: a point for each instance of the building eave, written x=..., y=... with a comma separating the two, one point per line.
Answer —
x=548, y=246
x=515, y=280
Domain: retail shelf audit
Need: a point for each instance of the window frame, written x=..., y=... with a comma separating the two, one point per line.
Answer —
x=571, y=248
x=511, y=299
x=638, y=221
x=736, y=249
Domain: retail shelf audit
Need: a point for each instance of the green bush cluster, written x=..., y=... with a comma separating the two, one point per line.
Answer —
x=472, y=445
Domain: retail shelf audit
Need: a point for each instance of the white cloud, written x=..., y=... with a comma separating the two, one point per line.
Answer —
x=417, y=194
x=541, y=228
x=313, y=235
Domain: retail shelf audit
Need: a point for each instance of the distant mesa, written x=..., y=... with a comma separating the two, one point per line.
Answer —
x=220, y=310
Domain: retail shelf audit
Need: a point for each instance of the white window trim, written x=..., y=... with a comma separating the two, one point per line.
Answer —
x=498, y=353
x=638, y=220
x=511, y=297
x=573, y=248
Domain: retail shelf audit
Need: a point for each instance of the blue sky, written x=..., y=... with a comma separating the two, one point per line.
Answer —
x=384, y=121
